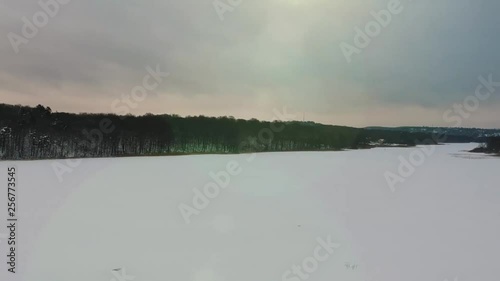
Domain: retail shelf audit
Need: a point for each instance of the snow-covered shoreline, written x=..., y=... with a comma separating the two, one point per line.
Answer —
x=440, y=223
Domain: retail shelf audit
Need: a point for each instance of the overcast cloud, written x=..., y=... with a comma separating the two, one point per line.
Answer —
x=265, y=54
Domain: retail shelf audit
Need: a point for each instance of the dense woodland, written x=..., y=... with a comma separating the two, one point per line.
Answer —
x=492, y=145
x=39, y=133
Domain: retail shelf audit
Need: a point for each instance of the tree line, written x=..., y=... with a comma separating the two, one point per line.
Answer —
x=38, y=133
x=491, y=145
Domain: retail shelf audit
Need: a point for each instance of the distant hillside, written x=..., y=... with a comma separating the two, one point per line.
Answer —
x=453, y=134
x=39, y=133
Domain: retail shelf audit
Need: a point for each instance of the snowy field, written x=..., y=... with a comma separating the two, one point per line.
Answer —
x=319, y=216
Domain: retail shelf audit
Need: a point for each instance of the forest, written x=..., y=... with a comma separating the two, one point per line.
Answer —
x=30, y=133
x=491, y=145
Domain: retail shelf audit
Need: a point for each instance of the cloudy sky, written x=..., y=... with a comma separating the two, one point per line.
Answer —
x=257, y=56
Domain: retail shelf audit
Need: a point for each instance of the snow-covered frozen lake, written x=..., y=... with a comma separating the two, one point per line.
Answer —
x=278, y=210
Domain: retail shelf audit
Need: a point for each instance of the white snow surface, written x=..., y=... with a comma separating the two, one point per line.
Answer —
x=442, y=223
